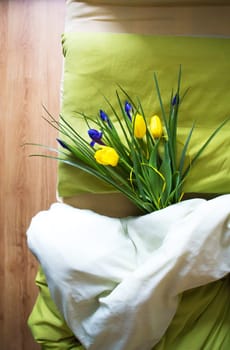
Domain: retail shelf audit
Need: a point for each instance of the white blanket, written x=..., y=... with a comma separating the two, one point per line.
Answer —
x=117, y=281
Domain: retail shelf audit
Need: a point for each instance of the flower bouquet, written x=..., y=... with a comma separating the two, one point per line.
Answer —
x=135, y=154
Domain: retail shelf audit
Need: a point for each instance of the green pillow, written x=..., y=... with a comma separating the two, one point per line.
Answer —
x=96, y=62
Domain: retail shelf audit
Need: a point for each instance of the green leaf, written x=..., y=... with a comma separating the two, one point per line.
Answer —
x=184, y=150
x=204, y=146
x=166, y=171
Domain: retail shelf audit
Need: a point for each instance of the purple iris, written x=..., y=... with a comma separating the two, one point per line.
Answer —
x=104, y=117
x=175, y=100
x=96, y=137
x=63, y=144
x=128, y=109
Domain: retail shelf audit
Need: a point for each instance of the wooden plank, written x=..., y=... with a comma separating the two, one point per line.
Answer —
x=30, y=71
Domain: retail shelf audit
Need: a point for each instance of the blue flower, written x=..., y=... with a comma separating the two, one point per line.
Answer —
x=175, y=100
x=128, y=109
x=63, y=144
x=104, y=117
x=96, y=137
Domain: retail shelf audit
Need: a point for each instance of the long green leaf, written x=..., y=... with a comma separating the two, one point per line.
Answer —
x=203, y=147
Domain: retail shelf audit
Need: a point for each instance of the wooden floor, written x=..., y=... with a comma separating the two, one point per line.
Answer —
x=30, y=75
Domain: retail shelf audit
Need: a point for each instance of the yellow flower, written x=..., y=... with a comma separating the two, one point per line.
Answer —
x=139, y=126
x=106, y=156
x=156, y=128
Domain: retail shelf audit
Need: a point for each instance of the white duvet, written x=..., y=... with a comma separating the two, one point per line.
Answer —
x=117, y=281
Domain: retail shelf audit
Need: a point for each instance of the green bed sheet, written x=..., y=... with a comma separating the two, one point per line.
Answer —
x=202, y=321
x=96, y=63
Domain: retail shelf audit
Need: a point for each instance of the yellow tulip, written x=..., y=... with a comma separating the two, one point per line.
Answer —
x=139, y=126
x=155, y=126
x=106, y=156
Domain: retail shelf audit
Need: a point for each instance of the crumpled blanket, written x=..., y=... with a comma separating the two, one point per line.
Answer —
x=118, y=282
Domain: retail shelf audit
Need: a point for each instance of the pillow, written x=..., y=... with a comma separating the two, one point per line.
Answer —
x=96, y=62
x=155, y=2
x=127, y=17
x=104, y=44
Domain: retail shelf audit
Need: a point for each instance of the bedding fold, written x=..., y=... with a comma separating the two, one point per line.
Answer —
x=109, y=277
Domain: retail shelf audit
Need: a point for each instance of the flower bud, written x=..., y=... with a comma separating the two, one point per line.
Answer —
x=128, y=109
x=156, y=128
x=63, y=144
x=139, y=126
x=175, y=100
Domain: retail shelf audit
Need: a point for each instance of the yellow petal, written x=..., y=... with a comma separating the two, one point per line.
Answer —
x=155, y=126
x=139, y=126
x=106, y=156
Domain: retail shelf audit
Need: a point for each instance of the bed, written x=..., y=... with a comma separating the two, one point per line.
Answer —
x=106, y=43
